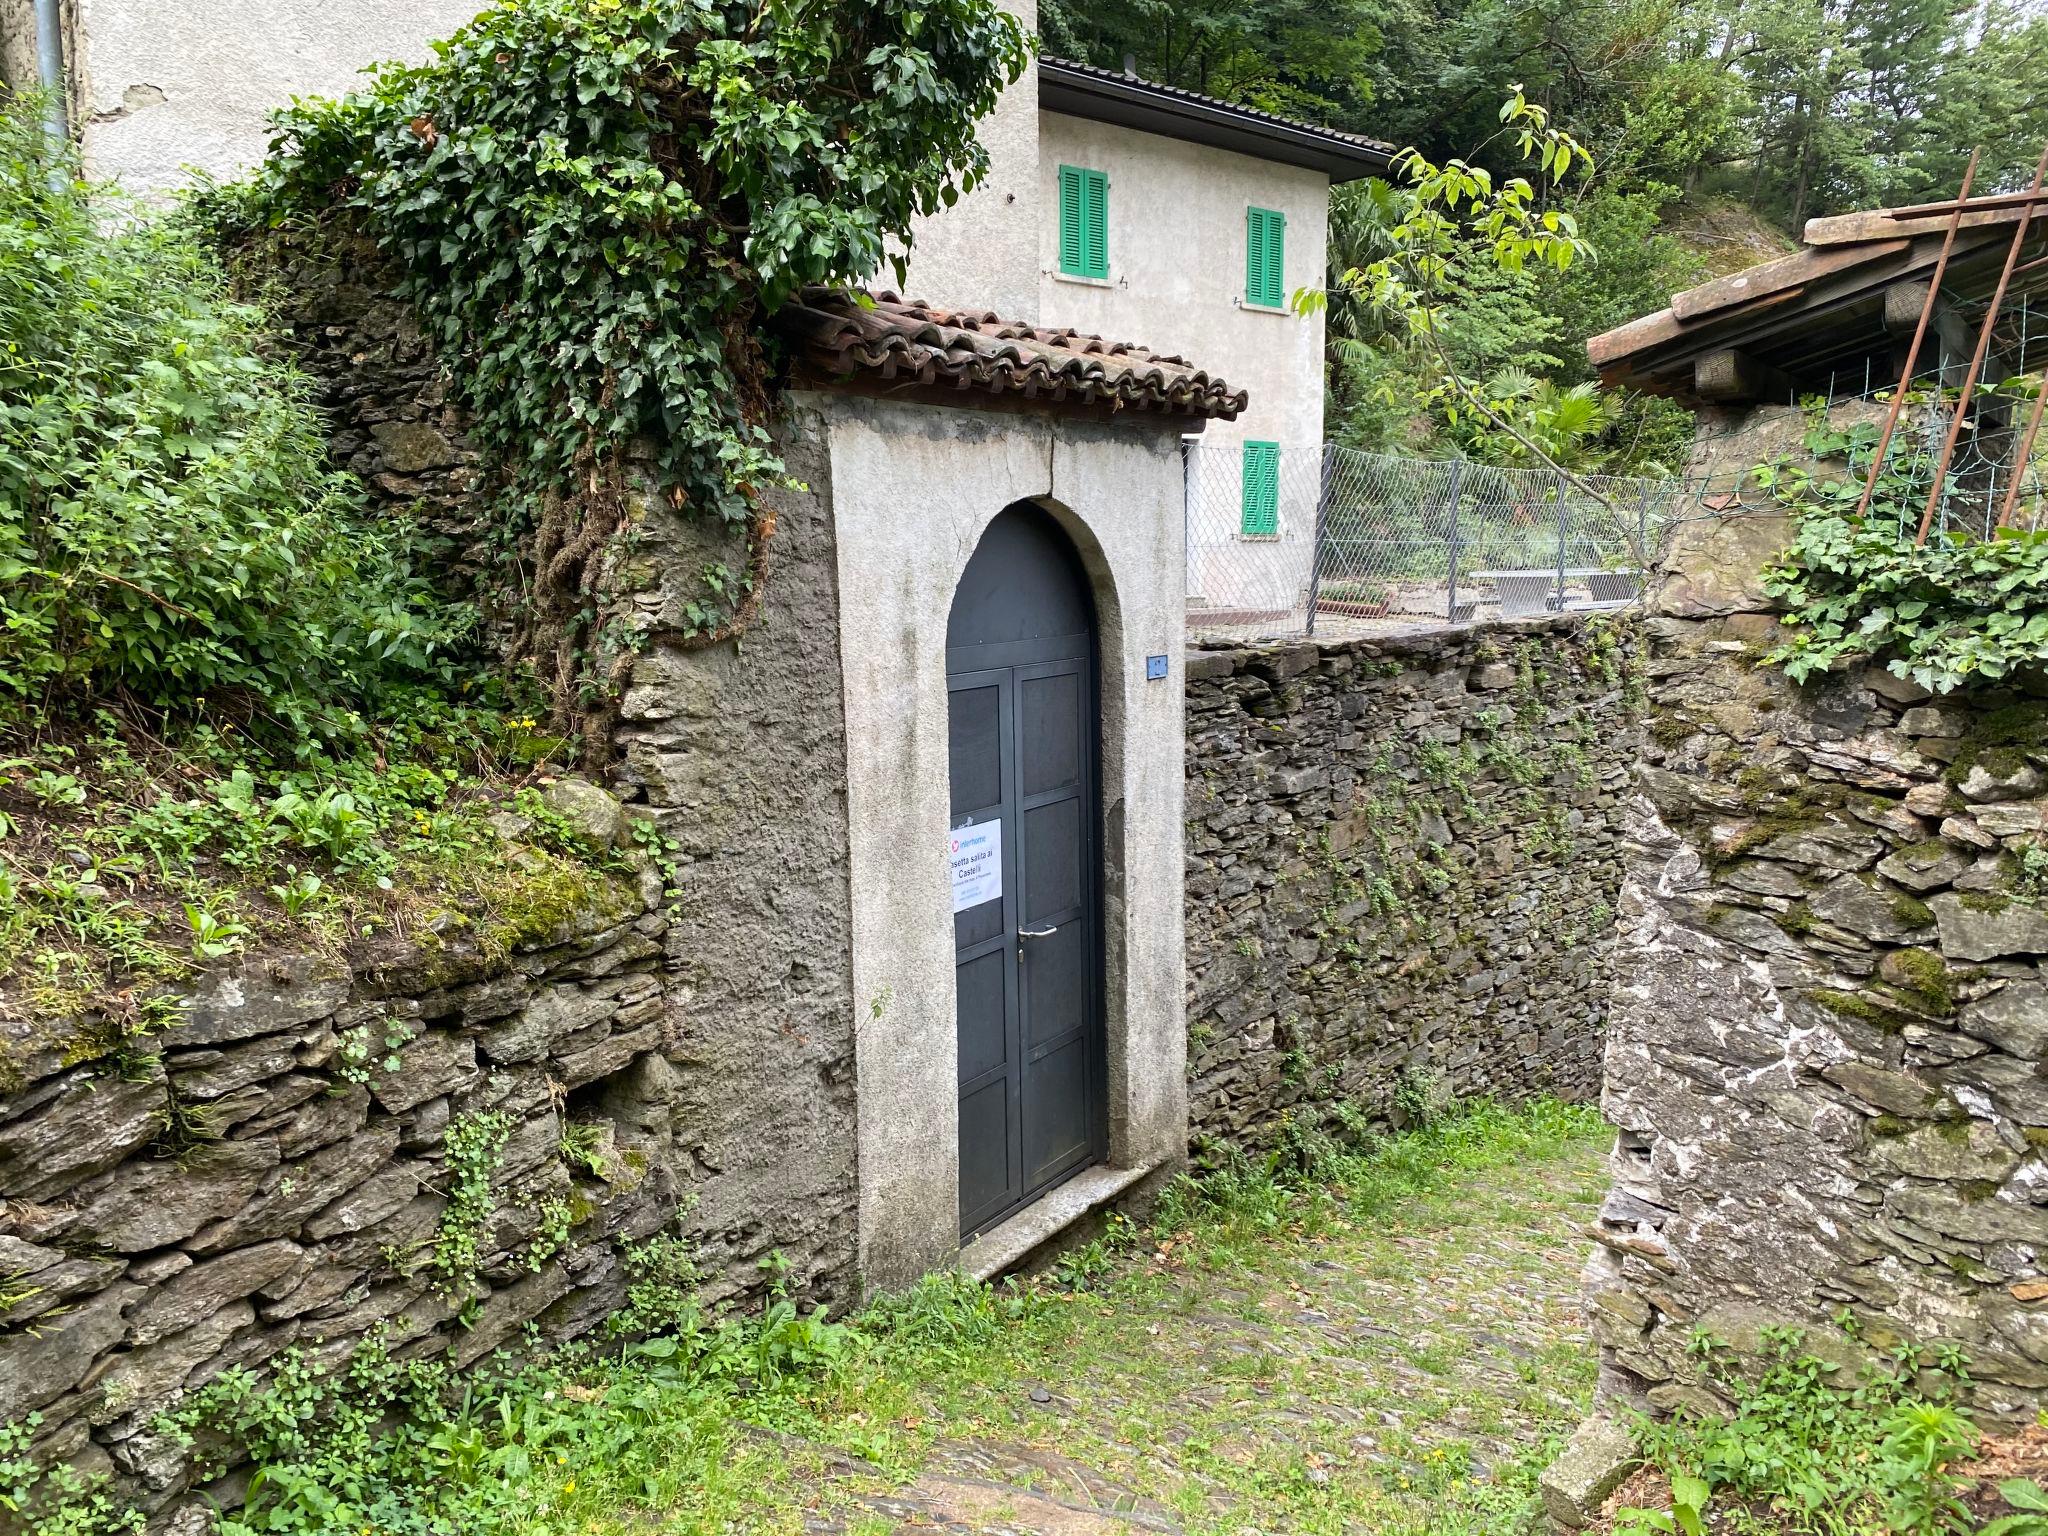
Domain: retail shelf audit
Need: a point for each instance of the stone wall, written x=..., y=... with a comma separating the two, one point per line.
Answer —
x=736, y=752
x=1402, y=869
x=271, y=1169
x=1831, y=1015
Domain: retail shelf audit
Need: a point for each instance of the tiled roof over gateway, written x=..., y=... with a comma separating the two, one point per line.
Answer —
x=901, y=343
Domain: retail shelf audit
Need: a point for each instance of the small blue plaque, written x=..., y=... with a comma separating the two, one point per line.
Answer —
x=1155, y=668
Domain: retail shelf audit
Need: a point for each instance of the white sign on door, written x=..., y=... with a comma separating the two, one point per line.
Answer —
x=977, y=855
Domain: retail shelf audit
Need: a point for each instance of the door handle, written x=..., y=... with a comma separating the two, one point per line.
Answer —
x=1034, y=933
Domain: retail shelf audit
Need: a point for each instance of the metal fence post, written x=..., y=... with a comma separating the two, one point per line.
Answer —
x=1562, y=526
x=1457, y=476
x=1328, y=478
x=1643, y=538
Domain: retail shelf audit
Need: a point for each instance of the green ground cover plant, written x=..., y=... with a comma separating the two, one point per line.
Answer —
x=700, y=1420
x=231, y=708
x=1814, y=1447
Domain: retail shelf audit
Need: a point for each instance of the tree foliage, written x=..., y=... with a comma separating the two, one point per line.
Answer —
x=1786, y=109
x=169, y=527
x=596, y=204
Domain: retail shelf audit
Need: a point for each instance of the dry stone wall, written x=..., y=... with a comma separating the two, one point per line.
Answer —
x=1826, y=1060
x=1402, y=870
x=271, y=1169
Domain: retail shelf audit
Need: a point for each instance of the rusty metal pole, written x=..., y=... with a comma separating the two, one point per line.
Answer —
x=1891, y=417
x=2026, y=453
x=1955, y=426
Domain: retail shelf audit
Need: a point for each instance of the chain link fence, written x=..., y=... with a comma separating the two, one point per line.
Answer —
x=1339, y=542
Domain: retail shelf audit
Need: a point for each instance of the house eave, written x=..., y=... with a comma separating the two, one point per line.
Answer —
x=1140, y=104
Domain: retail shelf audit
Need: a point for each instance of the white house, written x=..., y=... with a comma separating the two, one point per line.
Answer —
x=1114, y=205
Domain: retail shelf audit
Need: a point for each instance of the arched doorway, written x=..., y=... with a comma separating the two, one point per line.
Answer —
x=1024, y=732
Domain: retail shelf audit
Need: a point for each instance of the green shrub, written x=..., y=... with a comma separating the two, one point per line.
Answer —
x=169, y=528
x=1955, y=610
x=1827, y=1454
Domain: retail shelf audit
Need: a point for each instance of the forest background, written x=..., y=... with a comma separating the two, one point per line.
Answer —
x=1716, y=130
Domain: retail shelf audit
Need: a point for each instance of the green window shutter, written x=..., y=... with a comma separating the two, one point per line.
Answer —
x=1097, y=253
x=1260, y=514
x=1084, y=222
x=1265, y=238
x=1073, y=212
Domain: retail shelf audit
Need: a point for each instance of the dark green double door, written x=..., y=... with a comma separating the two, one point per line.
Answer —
x=1022, y=730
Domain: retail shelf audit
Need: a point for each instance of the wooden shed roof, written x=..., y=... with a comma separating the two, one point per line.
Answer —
x=1846, y=301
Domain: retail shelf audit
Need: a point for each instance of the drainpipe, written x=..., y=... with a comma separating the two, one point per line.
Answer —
x=50, y=66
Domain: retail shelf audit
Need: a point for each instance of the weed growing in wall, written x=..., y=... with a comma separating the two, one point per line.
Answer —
x=1953, y=610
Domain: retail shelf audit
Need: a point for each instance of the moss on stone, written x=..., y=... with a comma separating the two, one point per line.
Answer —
x=1860, y=1008
x=2036, y=1136
x=1985, y=901
x=536, y=906
x=1927, y=976
x=1890, y=1125
x=1911, y=911
x=1797, y=920
x=1977, y=1191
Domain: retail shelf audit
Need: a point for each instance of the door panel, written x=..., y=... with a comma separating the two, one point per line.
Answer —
x=973, y=733
x=1023, y=731
x=1052, y=861
x=1056, y=1132
x=984, y=1023
x=1051, y=734
x=988, y=1174
x=1055, y=992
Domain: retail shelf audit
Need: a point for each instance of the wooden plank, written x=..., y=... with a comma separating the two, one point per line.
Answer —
x=1797, y=270
x=1881, y=224
x=1638, y=335
x=1658, y=343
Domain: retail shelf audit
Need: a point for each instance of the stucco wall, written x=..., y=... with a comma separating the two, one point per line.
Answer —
x=175, y=83
x=982, y=253
x=1176, y=284
x=913, y=488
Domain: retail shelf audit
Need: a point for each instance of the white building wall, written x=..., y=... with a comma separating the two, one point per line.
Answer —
x=982, y=253
x=1176, y=284
x=168, y=84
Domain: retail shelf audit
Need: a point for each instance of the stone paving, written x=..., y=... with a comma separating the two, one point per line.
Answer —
x=1405, y=1375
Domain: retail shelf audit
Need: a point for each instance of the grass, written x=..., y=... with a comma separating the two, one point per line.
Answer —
x=1376, y=1337
x=136, y=850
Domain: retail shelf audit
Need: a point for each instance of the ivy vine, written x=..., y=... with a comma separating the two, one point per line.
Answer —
x=594, y=206
x=1954, y=610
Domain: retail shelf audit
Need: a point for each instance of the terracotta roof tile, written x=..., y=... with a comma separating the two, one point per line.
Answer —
x=912, y=342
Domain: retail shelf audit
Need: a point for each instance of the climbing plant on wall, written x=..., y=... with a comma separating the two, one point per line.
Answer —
x=1953, y=610
x=594, y=205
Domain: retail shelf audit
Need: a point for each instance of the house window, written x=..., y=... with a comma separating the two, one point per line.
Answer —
x=1261, y=508
x=1084, y=222
x=1265, y=244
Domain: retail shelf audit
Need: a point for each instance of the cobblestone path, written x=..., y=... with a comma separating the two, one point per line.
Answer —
x=1409, y=1374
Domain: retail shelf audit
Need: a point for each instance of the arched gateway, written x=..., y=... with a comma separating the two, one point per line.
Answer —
x=1024, y=728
